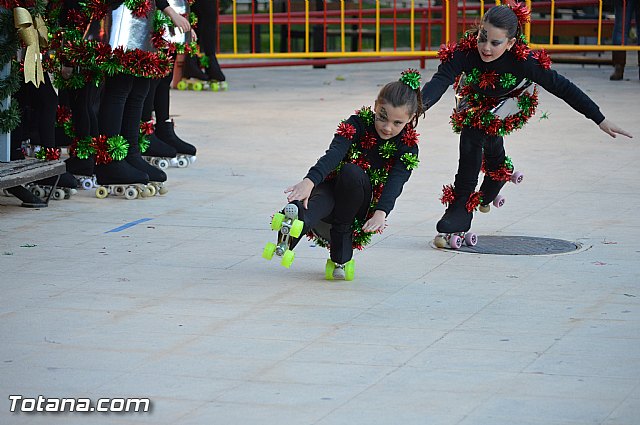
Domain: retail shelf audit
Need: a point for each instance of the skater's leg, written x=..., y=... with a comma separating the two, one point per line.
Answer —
x=494, y=158
x=352, y=193
x=112, y=109
x=131, y=129
x=321, y=203
x=158, y=100
x=457, y=217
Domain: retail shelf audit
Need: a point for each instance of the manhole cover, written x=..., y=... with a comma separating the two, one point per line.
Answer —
x=520, y=245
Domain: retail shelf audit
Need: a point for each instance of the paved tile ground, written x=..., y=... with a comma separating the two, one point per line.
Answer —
x=183, y=310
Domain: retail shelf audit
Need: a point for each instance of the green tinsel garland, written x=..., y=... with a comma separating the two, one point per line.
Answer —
x=11, y=83
x=9, y=118
x=410, y=160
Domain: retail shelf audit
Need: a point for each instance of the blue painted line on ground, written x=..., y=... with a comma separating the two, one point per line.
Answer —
x=130, y=224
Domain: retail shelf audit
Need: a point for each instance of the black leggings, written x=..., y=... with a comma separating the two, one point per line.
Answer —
x=121, y=107
x=158, y=99
x=84, y=104
x=206, y=11
x=338, y=202
x=473, y=143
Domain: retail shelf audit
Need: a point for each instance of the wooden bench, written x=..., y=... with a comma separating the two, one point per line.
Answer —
x=16, y=173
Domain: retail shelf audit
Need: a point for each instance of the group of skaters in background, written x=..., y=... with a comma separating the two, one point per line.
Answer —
x=112, y=65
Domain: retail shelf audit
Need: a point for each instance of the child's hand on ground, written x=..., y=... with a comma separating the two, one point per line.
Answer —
x=376, y=222
x=300, y=192
x=611, y=129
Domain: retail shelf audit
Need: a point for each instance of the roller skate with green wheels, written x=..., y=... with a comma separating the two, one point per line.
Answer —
x=288, y=226
x=335, y=271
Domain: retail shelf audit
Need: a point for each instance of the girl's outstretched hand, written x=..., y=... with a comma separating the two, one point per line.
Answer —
x=376, y=222
x=300, y=192
x=611, y=129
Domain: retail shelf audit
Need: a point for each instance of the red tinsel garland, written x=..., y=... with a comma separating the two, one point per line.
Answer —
x=488, y=80
x=448, y=194
x=474, y=201
x=445, y=54
x=410, y=137
x=543, y=58
x=368, y=140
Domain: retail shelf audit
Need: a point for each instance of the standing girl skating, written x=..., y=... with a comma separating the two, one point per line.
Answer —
x=493, y=72
x=347, y=195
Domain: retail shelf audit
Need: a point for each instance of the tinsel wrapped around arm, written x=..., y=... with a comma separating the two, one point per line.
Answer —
x=537, y=70
x=398, y=176
x=338, y=149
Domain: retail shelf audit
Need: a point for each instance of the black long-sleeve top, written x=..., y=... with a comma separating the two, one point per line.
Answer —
x=466, y=60
x=366, y=145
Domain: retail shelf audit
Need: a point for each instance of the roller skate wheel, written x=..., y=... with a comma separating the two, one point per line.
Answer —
x=73, y=191
x=173, y=162
x=268, y=251
x=517, y=177
x=287, y=258
x=455, y=242
x=470, y=239
x=131, y=193
x=101, y=192
x=183, y=162
x=215, y=86
x=499, y=201
x=163, y=164
x=86, y=184
x=38, y=191
x=163, y=190
x=484, y=208
x=440, y=242
x=118, y=190
x=59, y=194
x=328, y=270
x=296, y=228
x=276, y=221
x=349, y=270
x=224, y=85
x=192, y=159
x=152, y=189
x=197, y=86
x=182, y=85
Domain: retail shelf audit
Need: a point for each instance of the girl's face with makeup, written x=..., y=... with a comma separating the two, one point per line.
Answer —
x=390, y=120
x=493, y=42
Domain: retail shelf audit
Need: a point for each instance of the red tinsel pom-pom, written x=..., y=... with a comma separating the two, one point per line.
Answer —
x=543, y=58
x=522, y=12
x=368, y=141
x=469, y=42
x=448, y=194
x=52, y=154
x=488, y=80
x=474, y=201
x=446, y=52
x=362, y=163
x=146, y=127
x=63, y=114
x=520, y=51
x=346, y=130
x=410, y=137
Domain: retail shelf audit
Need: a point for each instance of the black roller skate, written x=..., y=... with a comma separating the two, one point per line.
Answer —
x=453, y=227
x=289, y=228
x=83, y=171
x=119, y=178
x=55, y=188
x=158, y=153
x=494, y=181
x=186, y=152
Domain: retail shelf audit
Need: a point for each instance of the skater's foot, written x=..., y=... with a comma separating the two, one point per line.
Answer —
x=166, y=132
x=341, y=246
x=80, y=167
x=159, y=148
x=456, y=218
x=191, y=69
x=29, y=200
x=120, y=172
x=155, y=174
x=337, y=271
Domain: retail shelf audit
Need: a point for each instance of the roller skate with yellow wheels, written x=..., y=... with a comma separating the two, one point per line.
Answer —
x=288, y=226
x=335, y=271
x=119, y=178
x=453, y=227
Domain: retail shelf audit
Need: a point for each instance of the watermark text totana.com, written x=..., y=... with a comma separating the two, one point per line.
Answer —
x=43, y=404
